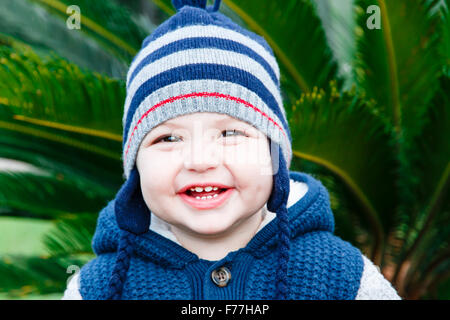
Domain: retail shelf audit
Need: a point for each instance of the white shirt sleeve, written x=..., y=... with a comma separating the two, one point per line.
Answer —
x=374, y=285
x=72, y=291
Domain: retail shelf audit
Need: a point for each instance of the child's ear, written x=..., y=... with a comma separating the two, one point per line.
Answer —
x=132, y=213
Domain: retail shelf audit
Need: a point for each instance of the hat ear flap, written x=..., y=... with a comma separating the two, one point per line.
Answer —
x=277, y=203
x=132, y=213
x=280, y=190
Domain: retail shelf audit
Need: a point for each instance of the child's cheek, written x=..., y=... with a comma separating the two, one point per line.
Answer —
x=164, y=158
x=251, y=154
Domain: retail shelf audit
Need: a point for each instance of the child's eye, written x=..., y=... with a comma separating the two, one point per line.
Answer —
x=168, y=138
x=225, y=133
x=232, y=137
x=233, y=132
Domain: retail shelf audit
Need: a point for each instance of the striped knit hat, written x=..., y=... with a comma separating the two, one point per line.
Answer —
x=201, y=61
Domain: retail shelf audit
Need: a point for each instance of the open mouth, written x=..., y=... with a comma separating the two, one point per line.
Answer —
x=206, y=199
x=205, y=195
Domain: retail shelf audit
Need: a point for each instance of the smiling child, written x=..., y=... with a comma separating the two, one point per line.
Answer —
x=209, y=208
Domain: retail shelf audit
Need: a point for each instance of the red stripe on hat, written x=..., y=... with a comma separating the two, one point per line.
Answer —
x=199, y=94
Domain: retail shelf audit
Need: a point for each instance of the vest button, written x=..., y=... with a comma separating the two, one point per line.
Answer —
x=221, y=276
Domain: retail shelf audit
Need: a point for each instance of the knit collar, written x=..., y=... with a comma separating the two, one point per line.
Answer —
x=308, y=209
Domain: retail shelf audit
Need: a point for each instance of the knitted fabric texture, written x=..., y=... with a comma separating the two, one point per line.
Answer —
x=321, y=265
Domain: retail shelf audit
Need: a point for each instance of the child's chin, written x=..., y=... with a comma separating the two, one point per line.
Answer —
x=210, y=230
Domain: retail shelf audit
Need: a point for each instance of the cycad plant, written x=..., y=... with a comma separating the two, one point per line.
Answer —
x=365, y=86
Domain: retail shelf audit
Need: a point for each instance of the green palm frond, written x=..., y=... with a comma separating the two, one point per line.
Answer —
x=338, y=20
x=45, y=33
x=49, y=196
x=23, y=275
x=434, y=166
x=166, y=6
x=441, y=9
x=67, y=123
x=430, y=259
x=72, y=234
x=400, y=71
x=52, y=89
x=429, y=229
x=57, y=154
x=446, y=39
x=67, y=247
x=54, y=109
x=294, y=31
x=342, y=133
x=107, y=21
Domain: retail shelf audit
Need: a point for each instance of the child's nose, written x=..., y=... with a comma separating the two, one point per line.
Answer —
x=201, y=155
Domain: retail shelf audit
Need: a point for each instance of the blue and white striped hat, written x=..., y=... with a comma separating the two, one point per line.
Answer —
x=201, y=61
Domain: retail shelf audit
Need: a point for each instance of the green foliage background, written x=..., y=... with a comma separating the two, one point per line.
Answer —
x=369, y=111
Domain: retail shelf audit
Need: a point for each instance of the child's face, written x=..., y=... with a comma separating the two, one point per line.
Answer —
x=202, y=148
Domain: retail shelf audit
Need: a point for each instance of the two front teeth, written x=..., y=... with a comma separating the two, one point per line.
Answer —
x=206, y=189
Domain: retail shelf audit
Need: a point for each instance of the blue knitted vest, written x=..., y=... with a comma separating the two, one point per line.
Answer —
x=321, y=265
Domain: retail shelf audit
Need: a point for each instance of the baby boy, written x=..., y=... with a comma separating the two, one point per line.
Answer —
x=209, y=208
